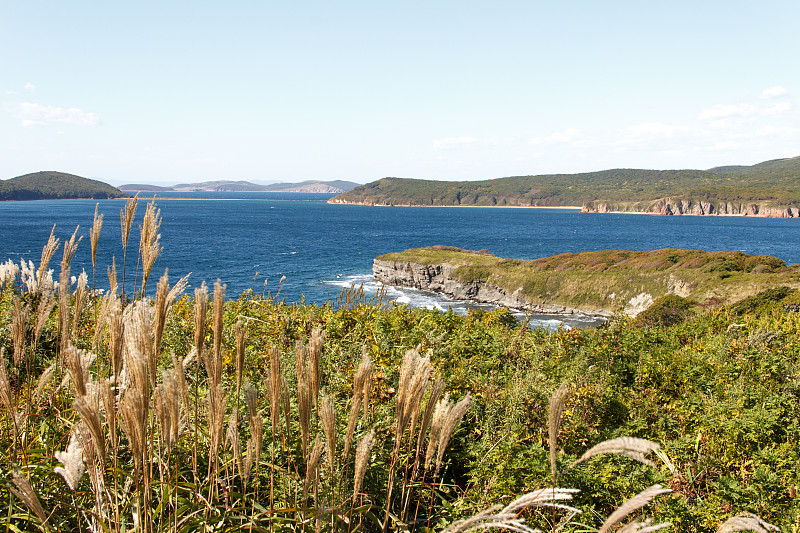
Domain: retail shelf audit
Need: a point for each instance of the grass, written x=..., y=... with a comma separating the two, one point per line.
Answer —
x=172, y=413
x=610, y=279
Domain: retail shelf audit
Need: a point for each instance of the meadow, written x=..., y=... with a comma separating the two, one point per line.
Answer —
x=146, y=409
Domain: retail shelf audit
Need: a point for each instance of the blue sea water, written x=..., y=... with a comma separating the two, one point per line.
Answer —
x=245, y=239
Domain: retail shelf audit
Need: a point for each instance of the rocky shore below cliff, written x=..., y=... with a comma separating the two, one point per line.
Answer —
x=438, y=279
x=689, y=206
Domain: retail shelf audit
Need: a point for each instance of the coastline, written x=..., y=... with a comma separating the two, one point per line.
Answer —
x=582, y=209
x=438, y=279
x=364, y=204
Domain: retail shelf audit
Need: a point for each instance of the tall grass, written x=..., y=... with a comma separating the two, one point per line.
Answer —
x=108, y=430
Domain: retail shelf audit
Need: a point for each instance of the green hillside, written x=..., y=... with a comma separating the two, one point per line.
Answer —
x=772, y=183
x=50, y=185
x=612, y=279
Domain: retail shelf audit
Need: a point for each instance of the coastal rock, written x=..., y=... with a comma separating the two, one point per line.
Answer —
x=437, y=278
x=638, y=303
x=688, y=206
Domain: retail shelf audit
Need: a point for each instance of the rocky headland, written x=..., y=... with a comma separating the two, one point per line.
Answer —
x=439, y=279
x=597, y=284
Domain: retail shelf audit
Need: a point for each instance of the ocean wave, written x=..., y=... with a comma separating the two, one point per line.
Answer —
x=430, y=300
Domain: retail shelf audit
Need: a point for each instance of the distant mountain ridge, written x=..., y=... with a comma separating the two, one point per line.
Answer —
x=770, y=188
x=52, y=185
x=309, y=186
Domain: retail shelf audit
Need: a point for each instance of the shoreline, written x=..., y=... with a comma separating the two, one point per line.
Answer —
x=567, y=207
x=571, y=207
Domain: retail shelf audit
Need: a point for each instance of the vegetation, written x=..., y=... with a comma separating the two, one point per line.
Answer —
x=55, y=186
x=208, y=414
x=610, y=279
x=772, y=183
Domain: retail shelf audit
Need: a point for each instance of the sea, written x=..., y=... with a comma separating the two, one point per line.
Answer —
x=300, y=248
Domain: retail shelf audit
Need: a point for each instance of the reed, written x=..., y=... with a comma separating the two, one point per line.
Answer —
x=19, y=325
x=127, y=409
x=47, y=254
x=94, y=238
x=126, y=216
x=149, y=241
x=555, y=412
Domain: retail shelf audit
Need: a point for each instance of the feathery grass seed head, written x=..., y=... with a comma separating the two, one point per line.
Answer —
x=94, y=234
x=746, y=522
x=554, y=413
x=631, y=505
x=363, y=450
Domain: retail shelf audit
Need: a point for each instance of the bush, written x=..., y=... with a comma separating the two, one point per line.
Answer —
x=666, y=311
x=761, y=301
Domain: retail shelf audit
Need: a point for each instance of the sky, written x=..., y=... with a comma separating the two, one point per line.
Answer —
x=171, y=92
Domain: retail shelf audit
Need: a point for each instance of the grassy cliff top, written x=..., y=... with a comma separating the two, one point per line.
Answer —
x=610, y=279
x=50, y=185
x=771, y=182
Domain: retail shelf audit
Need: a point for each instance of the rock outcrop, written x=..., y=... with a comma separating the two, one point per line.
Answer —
x=689, y=206
x=437, y=278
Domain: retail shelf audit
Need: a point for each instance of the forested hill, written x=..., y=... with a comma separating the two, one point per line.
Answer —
x=771, y=188
x=51, y=185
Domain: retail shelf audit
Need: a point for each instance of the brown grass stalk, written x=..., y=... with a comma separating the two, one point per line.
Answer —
x=19, y=322
x=21, y=488
x=47, y=254
x=94, y=237
x=631, y=505
x=363, y=450
x=555, y=412
x=149, y=241
x=746, y=522
x=126, y=216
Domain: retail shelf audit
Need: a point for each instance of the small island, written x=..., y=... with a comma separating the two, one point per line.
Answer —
x=590, y=283
x=51, y=185
x=767, y=189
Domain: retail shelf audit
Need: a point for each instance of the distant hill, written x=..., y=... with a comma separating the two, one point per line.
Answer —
x=771, y=188
x=333, y=187
x=50, y=185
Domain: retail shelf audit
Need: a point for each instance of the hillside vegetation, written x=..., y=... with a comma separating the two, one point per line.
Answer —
x=159, y=412
x=614, y=280
x=55, y=185
x=773, y=184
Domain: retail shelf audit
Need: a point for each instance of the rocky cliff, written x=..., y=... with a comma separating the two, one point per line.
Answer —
x=437, y=278
x=689, y=206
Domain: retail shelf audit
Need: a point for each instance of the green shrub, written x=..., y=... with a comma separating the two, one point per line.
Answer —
x=666, y=311
x=761, y=301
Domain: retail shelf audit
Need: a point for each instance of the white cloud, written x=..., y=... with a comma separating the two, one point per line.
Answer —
x=31, y=114
x=559, y=137
x=11, y=93
x=773, y=92
x=725, y=111
x=29, y=87
x=653, y=129
x=777, y=109
x=453, y=142
x=722, y=111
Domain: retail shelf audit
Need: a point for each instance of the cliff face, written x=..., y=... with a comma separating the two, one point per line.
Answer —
x=437, y=278
x=684, y=206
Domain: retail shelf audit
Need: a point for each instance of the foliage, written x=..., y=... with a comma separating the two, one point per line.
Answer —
x=720, y=392
x=762, y=300
x=55, y=185
x=769, y=183
x=666, y=311
x=609, y=279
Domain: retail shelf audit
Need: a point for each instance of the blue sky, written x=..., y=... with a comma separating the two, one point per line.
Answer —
x=168, y=92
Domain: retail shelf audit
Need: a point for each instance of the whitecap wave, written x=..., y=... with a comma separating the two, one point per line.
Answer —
x=434, y=301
